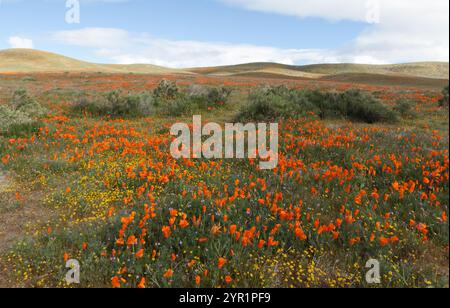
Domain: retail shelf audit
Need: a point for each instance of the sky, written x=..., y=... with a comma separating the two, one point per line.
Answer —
x=193, y=33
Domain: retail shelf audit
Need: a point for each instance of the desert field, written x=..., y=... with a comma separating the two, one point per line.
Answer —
x=86, y=174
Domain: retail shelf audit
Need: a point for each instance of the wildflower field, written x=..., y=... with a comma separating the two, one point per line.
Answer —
x=102, y=187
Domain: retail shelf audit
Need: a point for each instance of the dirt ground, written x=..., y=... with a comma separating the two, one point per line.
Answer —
x=15, y=220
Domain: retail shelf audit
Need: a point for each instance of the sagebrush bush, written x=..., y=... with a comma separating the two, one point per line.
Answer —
x=443, y=102
x=23, y=102
x=14, y=123
x=28, y=79
x=404, y=107
x=268, y=106
x=165, y=100
x=177, y=107
x=280, y=102
x=21, y=116
x=166, y=89
x=358, y=106
x=115, y=104
x=205, y=98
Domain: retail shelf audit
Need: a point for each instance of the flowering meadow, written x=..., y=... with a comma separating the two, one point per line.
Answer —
x=112, y=197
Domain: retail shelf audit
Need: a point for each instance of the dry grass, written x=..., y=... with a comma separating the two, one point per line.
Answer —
x=27, y=60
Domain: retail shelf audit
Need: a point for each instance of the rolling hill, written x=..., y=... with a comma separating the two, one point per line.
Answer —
x=437, y=70
x=420, y=74
x=28, y=60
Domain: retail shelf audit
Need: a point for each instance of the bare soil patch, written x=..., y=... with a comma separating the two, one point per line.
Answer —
x=17, y=216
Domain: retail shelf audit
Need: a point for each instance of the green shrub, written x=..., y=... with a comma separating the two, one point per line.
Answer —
x=21, y=98
x=204, y=98
x=15, y=123
x=21, y=117
x=443, y=102
x=165, y=100
x=358, y=106
x=115, y=104
x=404, y=107
x=166, y=89
x=280, y=102
x=21, y=101
x=28, y=79
x=177, y=107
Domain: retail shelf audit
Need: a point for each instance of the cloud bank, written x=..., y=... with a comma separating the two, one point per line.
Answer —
x=397, y=31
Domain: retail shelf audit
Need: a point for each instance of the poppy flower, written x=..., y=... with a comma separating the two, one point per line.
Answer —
x=140, y=254
x=141, y=284
x=384, y=241
x=115, y=282
x=168, y=273
x=221, y=263
x=228, y=279
x=166, y=231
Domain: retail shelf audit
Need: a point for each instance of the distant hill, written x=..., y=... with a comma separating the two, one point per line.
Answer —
x=30, y=60
x=426, y=73
x=437, y=70
x=387, y=79
x=255, y=69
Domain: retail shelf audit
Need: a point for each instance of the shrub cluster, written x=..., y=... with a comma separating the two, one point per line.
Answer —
x=166, y=89
x=21, y=116
x=270, y=103
x=404, y=107
x=166, y=99
x=443, y=102
x=115, y=104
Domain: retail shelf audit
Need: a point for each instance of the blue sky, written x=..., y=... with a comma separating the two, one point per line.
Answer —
x=182, y=33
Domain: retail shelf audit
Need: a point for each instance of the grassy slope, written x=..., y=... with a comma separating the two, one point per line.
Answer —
x=438, y=70
x=383, y=79
x=256, y=69
x=425, y=74
x=26, y=60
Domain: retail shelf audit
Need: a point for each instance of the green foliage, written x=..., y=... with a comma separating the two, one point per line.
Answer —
x=21, y=117
x=404, y=107
x=164, y=100
x=358, y=106
x=21, y=101
x=443, y=102
x=211, y=96
x=28, y=79
x=115, y=104
x=280, y=102
x=166, y=89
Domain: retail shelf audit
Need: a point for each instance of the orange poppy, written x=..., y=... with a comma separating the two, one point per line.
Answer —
x=115, y=282
x=141, y=284
x=140, y=254
x=168, y=273
x=228, y=279
x=222, y=262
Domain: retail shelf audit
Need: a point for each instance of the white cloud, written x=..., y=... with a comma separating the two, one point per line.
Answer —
x=20, y=42
x=120, y=46
x=93, y=37
x=330, y=9
x=408, y=30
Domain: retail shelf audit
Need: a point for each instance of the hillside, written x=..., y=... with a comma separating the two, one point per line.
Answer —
x=438, y=70
x=27, y=60
x=255, y=69
x=388, y=79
